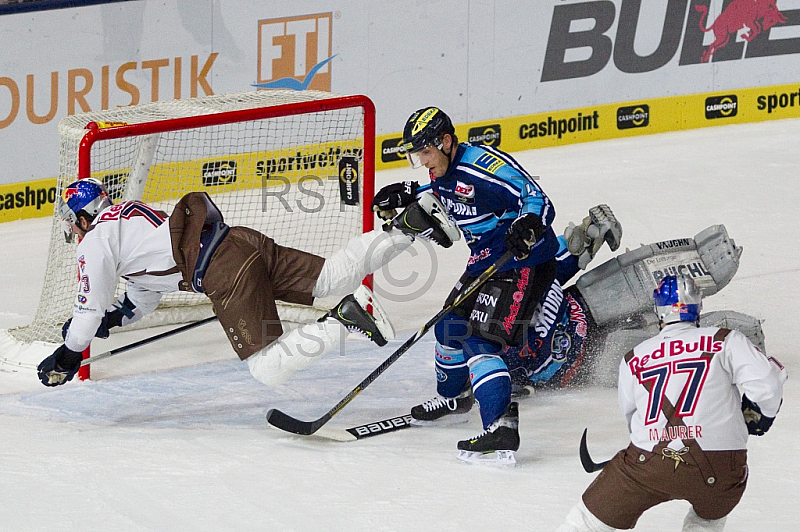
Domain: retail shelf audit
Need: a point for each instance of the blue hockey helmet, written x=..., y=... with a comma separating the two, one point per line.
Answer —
x=426, y=127
x=677, y=298
x=87, y=196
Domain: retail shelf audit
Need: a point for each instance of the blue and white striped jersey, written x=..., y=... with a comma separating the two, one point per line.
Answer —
x=485, y=190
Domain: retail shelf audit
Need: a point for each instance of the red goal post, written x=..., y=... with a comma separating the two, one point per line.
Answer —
x=296, y=165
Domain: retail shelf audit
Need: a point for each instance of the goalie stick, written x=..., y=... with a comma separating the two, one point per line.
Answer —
x=290, y=424
x=589, y=465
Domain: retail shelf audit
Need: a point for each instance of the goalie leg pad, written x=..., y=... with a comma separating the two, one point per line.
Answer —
x=623, y=286
x=745, y=324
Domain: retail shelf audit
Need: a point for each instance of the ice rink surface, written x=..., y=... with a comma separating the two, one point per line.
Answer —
x=173, y=437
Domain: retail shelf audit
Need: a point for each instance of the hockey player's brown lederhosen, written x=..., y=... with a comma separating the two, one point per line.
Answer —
x=246, y=274
x=712, y=481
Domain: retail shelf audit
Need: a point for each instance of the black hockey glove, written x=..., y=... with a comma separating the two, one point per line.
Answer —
x=111, y=319
x=523, y=234
x=394, y=196
x=59, y=367
x=102, y=330
x=757, y=423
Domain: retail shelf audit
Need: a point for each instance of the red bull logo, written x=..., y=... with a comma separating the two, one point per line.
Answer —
x=754, y=15
x=68, y=193
x=681, y=38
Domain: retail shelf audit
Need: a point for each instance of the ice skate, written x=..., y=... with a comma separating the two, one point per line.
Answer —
x=426, y=218
x=497, y=445
x=586, y=239
x=443, y=410
x=352, y=313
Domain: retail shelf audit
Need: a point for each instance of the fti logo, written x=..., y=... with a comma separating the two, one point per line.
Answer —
x=633, y=116
x=721, y=106
x=294, y=52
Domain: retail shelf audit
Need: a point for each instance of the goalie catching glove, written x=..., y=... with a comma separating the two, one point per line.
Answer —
x=757, y=423
x=523, y=234
x=586, y=239
x=394, y=196
x=60, y=367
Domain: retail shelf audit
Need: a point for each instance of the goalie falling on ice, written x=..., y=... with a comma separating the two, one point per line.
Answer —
x=242, y=271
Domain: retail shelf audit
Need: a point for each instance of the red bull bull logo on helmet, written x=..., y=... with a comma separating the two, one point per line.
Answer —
x=68, y=193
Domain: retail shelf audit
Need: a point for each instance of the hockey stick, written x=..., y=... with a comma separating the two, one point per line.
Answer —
x=367, y=430
x=589, y=465
x=146, y=341
x=290, y=424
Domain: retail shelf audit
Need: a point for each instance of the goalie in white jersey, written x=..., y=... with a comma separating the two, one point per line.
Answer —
x=690, y=396
x=242, y=271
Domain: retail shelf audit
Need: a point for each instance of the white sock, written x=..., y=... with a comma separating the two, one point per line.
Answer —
x=295, y=350
x=345, y=269
x=694, y=523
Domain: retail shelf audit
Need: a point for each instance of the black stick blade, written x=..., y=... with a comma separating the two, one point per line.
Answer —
x=276, y=418
x=588, y=464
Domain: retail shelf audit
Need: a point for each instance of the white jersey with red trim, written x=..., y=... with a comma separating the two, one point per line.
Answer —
x=705, y=391
x=129, y=239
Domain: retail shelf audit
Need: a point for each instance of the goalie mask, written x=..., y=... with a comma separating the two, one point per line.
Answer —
x=87, y=196
x=424, y=128
x=677, y=298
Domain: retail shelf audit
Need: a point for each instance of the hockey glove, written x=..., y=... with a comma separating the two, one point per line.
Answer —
x=102, y=330
x=111, y=319
x=59, y=367
x=394, y=196
x=523, y=234
x=757, y=423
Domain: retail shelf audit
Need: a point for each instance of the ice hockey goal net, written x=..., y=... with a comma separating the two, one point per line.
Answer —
x=295, y=165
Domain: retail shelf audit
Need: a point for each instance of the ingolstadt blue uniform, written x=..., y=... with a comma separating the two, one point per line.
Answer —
x=485, y=190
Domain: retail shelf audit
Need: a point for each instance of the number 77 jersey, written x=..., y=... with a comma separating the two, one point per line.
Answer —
x=698, y=371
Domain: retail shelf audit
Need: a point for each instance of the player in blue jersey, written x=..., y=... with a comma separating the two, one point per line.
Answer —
x=498, y=207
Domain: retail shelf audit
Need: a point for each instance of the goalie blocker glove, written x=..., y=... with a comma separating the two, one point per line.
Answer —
x=60, y=367
x=523, y=234
x=757, y=423
x=394, y=196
